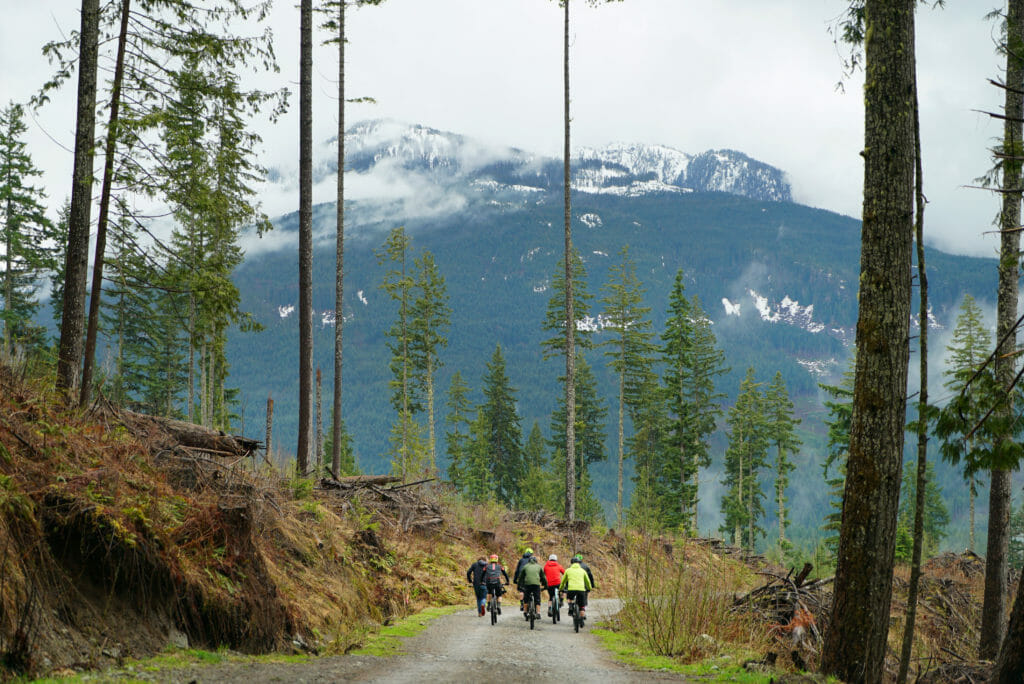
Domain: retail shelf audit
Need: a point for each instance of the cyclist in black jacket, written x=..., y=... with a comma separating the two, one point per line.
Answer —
x=475, y=576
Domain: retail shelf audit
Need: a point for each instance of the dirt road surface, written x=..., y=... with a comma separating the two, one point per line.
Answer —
x=456, y=648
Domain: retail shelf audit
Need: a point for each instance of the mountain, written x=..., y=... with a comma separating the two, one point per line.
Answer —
x=777, y=279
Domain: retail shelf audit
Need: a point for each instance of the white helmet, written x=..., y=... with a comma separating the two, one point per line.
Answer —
x=553, y=557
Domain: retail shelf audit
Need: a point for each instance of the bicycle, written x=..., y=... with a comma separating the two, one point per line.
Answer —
x=531, y=610
x=556, y=608
x=492, y=606
x=574, y=613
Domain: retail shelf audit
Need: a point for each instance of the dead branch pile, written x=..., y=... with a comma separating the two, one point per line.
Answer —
x=549, y=522
x=404, y=506
x=792, y=607
x=947, y=617
x=721, y=548
x=956, y=673
x=968, y=565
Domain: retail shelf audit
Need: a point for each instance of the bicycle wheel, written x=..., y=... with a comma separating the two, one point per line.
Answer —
x=554, y=609
x=492, y=606
x=531, y=607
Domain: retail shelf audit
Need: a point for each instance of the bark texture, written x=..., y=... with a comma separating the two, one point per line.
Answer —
x=993, y=611
x=855, y=639
x=339, y=277
x=76, y=265
x=305, y=237
x=570, y=314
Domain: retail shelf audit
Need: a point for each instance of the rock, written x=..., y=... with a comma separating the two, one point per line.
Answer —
x=177, y=638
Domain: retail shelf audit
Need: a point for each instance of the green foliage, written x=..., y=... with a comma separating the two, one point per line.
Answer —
x=936, y=515
x=840, y=411
x=26, y=235
x=1016, y=554
x=742, y=505
x=554, y=317
x=784, y=440
x=301, y=487
x=504, y=434
x=456, y=437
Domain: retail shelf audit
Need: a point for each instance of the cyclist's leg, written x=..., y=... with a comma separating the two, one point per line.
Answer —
x=583, y=603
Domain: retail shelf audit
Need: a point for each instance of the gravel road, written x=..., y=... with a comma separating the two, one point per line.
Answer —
x=455, y=648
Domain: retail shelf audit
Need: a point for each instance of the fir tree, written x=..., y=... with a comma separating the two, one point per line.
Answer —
x=840, y=410
x=936, y=516
x=504, y=434
x=431, y=317
x=540, y=488
x=25, y=233
x=629, y=348
x=784, y=441
x=742, y=505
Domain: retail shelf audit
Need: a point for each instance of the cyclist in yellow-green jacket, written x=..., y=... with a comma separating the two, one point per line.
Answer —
x=575, y=584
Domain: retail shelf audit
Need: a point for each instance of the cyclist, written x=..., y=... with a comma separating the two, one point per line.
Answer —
x=531, y=578
x=553, y=572
x=492, y=579
x=576, y=583
x=475, y=576
x=519, y=566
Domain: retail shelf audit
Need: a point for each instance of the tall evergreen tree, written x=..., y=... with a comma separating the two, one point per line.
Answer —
x=746, y=455
x=458, y=420
x=554, y=316
x=431, y=317
x=479, y=479
x=691, y=363
x=538, y=490
x=855, y=641
x=646, y=444
x=784, y=441
x=629, y=348
x=969, y=349
x=25, y=233
x=504, y=434
x=590, y=435
x=840, y=409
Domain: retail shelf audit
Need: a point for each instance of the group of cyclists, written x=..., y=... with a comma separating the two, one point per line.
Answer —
x=530, y=577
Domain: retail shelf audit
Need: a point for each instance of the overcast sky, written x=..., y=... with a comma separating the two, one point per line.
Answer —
x=752, y=75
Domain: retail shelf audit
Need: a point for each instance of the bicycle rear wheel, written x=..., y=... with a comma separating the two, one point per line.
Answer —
x=531, y=606
x=554, y=609
x=493, y=608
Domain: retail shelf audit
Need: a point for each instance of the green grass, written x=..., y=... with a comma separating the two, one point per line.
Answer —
x=388, y=641
x=722, y=669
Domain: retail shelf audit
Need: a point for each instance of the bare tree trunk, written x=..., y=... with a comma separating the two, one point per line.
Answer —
x=95, y=295
x=781, y=500
x=319, y=425
x=339, y=278
x=570, y=314
x=855, y=639
x=737, y=534
x=1009, y=666
x=270, y=432
x=76, y=265
x=305, y=237
x=922, y=422
x=993, y=612
x=970, y=498
x=430, y=415
x=622, y=416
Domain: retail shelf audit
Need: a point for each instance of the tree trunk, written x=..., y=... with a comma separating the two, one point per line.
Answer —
x=305, y=237
x=95, y=294
x=339, y=277
x=780, y=499
x=970, y=498
x=921, y=483
x=855, y=640
x=622, y=416
x=270, y=431
x=1009, y=666
x=76, y=265
x=570, y=314
x=737, y=535
x=319, y=431
x=993, y=611
x=430, y=415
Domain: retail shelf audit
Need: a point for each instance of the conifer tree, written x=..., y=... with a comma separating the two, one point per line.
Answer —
x=969, y=349
x=503, y=447
x=742, y=505
x=629, y=348
x=936, y=515
x=784, y=441
x=305, y=255
x=691, y=363
x=458, y=420
x=590, y=435
x=409, y=454
x=554, y=316
x=646, y=445
x=431, y=317
x=25, y=233
x=538, y=490
x=840, y=409
x=479, y=480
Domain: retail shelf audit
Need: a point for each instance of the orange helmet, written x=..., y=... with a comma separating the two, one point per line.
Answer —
x=494, y=556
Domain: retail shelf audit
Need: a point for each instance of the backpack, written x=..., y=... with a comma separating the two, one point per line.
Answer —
x=493, y=573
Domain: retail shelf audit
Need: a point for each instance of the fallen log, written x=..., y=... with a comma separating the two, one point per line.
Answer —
x=190, y=434
x=358, y=481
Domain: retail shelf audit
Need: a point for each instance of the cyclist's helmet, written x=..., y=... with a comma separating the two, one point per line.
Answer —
x=576, y=559
x=553, y=557
x=494, y=556
x=528, y=552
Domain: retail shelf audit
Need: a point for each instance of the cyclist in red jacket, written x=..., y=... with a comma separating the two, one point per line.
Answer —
x=553, y=571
